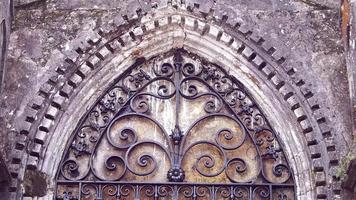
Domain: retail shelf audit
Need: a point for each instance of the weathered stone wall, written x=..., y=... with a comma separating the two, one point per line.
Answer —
x=6, y=13
x=350, y=39
x=45, y=33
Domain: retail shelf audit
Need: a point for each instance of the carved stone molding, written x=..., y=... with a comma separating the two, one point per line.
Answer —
x=273, y=82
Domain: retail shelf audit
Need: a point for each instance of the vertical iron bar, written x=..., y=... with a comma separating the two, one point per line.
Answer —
x=178, y=60
x=137, y=192
x=175, y=192
x=118, y=195
x=56, y=191
x=212, y=189
x=156, y=192
x=80, y=191
x=100, y=193
x=251, y=193
x=194, y=193
x=231, y=192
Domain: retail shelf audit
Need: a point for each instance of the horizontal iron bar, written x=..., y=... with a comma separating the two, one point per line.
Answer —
x=62, y=182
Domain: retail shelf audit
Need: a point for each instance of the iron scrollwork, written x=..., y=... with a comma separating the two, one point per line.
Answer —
x=220, y=147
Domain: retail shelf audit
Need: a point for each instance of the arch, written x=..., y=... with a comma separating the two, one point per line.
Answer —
x=228, y=130
x=269, y=81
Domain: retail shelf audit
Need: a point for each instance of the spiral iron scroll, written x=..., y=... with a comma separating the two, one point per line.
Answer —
x=228, y=152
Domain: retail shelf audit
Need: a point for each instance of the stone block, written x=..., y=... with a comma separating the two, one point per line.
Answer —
x=247, y=52
x=287, y=91
x=52, y=112
x=315, y=151
x=320, y=178
x=45, y=124
x=313, y=103
x=325, y=130
x=333, y=158
x=40, y=137
x=307, y=93
x=267, y=70
x=73, y=56
x=84, y=70
x=13, y=187
x=236, y=45
x=189, y=23
x=300, y=114
x=257, y=60
x=278, y=55
x=306, y=127
x=267, y=46
x=21, y=141
x=245, y=29
x=137, y=31
x=226, y=38
x=256, y=38
x=321, y=192
x=17, y=156
x=36, y=149
x=25, y=127
x=75, y=80
x=311, y=138
x=318, y=164
x=288, y=68
x=37, y=102
x=32, y=162
x=277, y=81
x=58, y=101
x=14, y=169
x=93, y=61
x=214, y=32
x=162, y=22
x=31, y=114
x=46, y=89
x=66, y=90
x=319, y=116
x=203, y=6
x=64, y=67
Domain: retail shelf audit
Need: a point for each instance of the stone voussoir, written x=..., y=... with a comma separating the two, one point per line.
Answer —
x=247, y=52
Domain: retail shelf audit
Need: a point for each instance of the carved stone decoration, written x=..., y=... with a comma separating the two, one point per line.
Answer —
x=220, y=144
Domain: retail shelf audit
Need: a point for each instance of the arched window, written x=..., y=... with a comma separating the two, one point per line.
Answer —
x=174, y=127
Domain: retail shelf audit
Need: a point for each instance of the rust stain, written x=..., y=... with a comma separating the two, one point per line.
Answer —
x=345, y=20
x=254, y=80
x=137, y=52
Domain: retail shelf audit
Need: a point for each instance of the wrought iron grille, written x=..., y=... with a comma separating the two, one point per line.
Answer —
x=174, y=127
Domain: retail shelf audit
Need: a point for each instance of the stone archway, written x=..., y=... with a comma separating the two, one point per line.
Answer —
x=174, y=127
x=259, y=67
